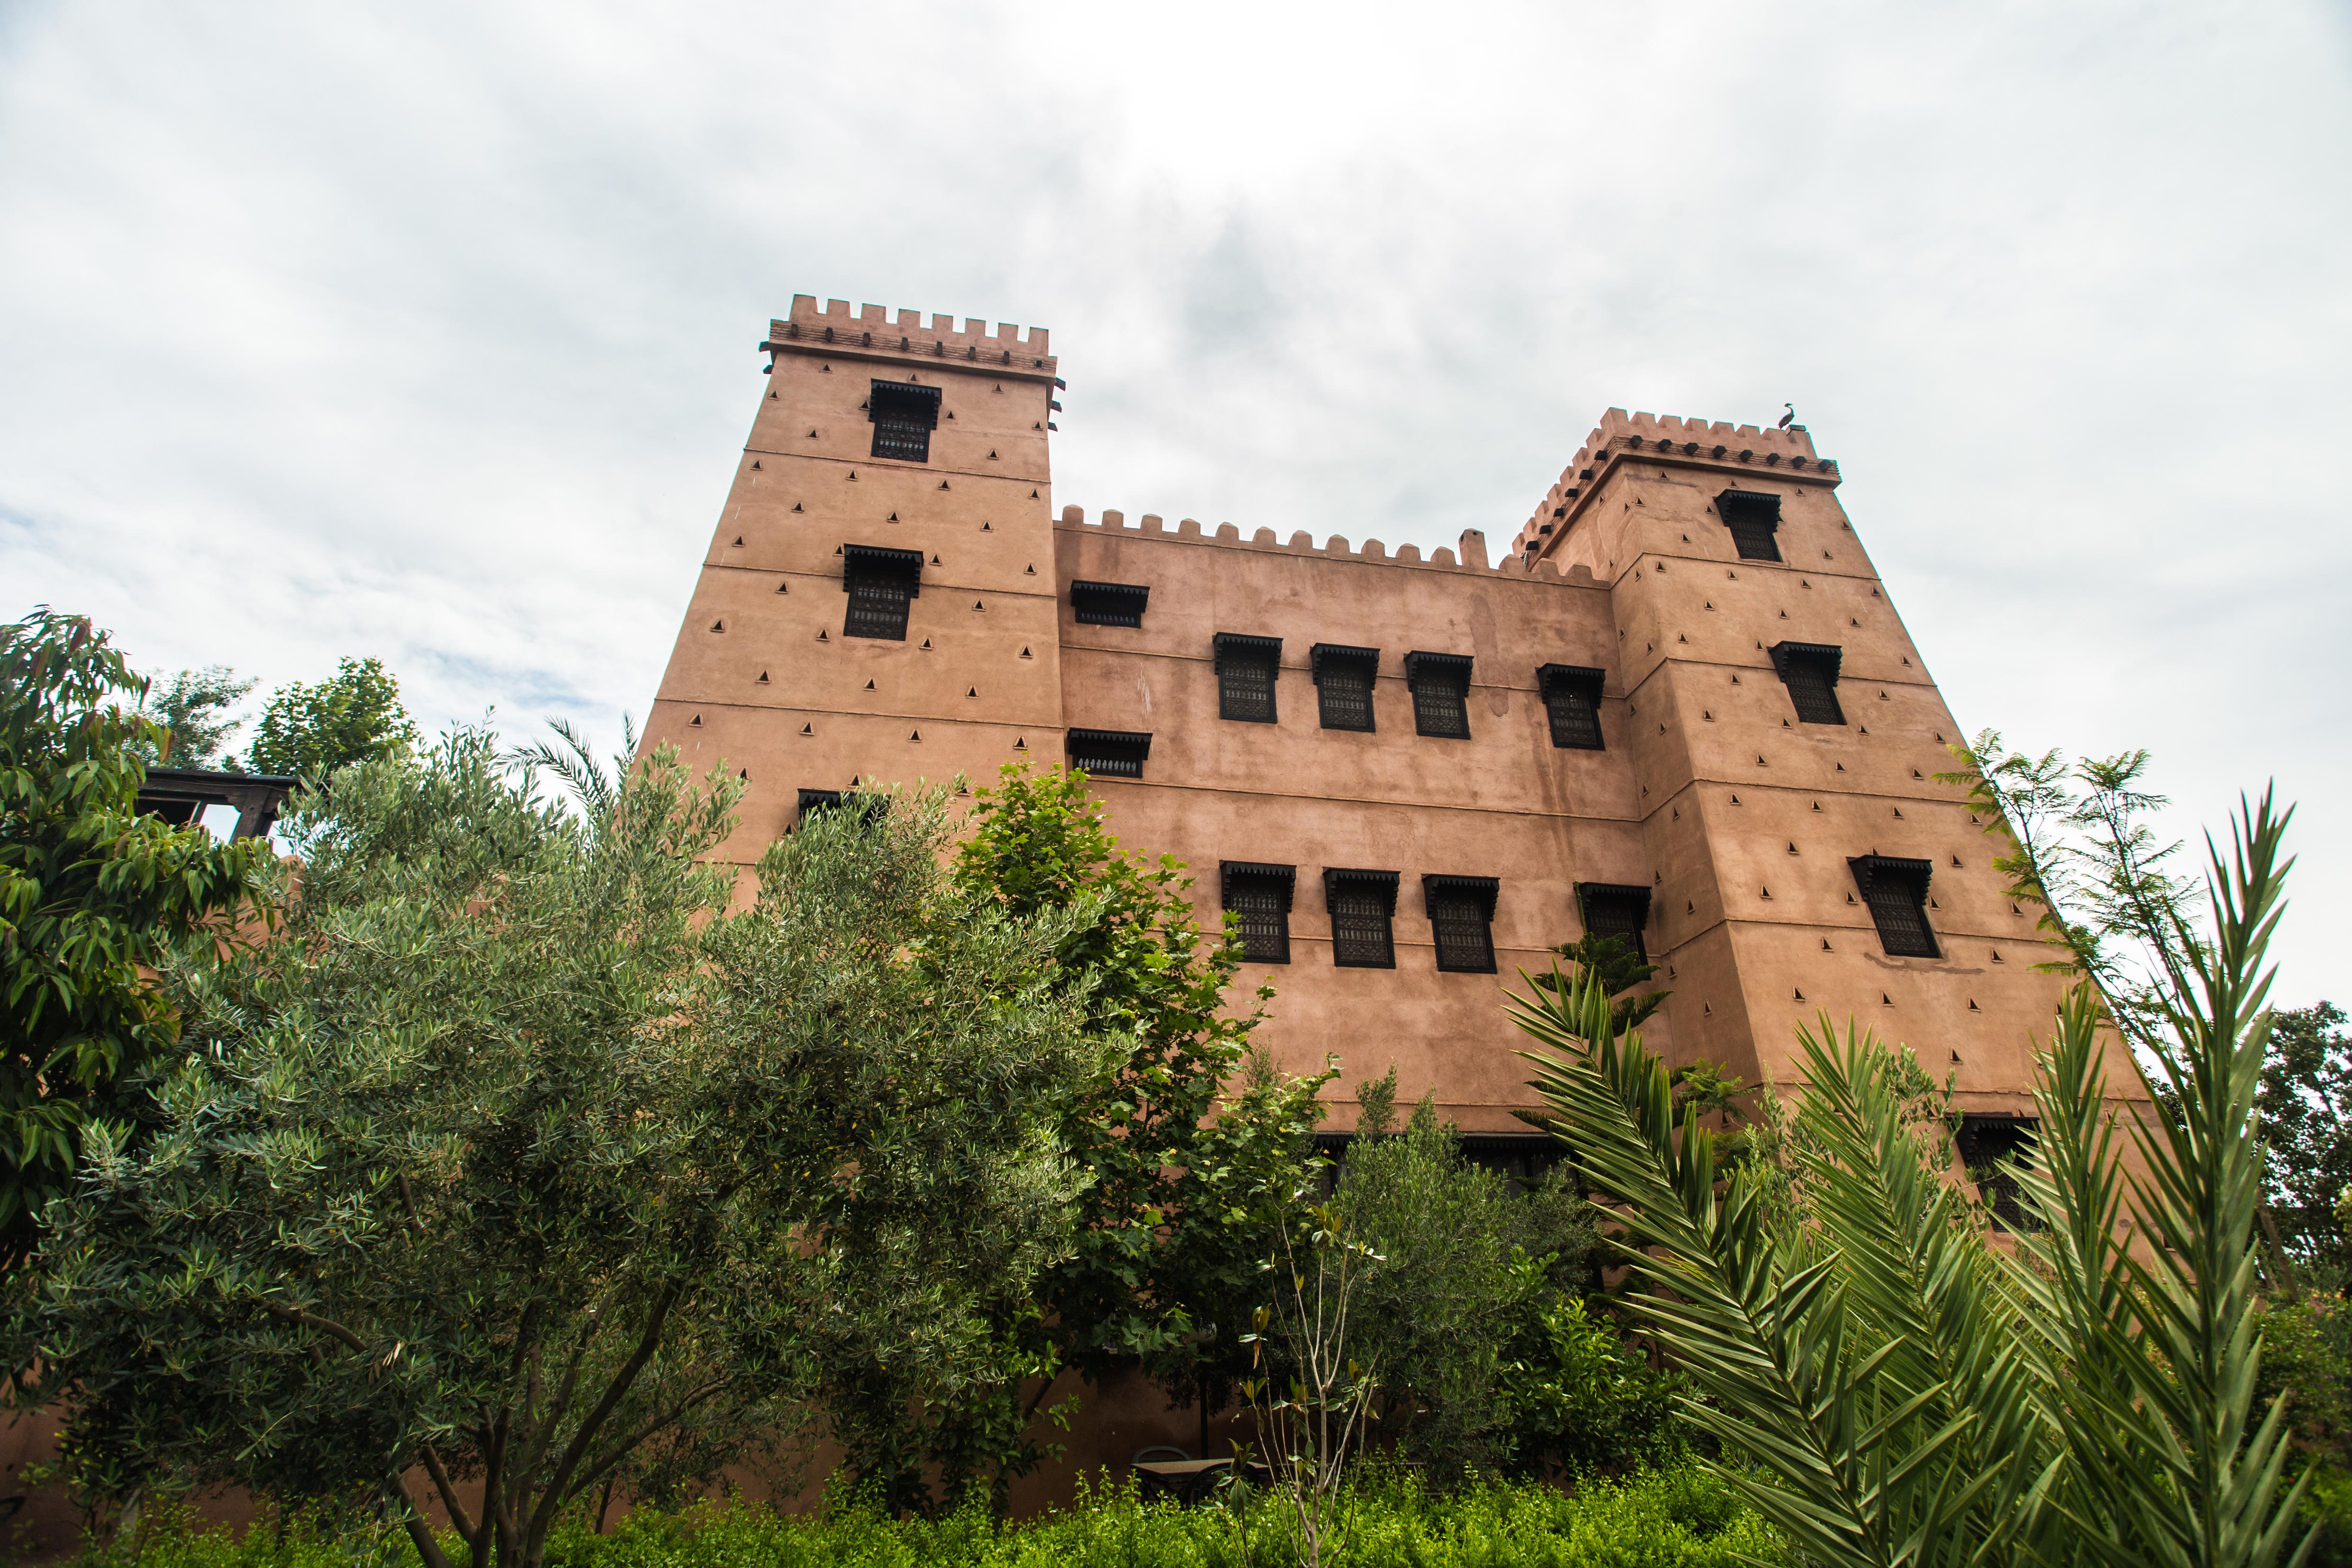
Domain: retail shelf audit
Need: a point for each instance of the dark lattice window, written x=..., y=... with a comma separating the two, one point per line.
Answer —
x=1753, y=517
x=1897, y=893
x=815, y=800
x=1260, y=895
x=1612, y=909
x=1572, y=696
x=1462, y=919
x=1440, y=684
x=1109, y=604
x=1363, y=914
x=1119, y=753
x=1993, y=1149
x=880, y=584
x=1247, y=668
x=904, y=417
x=1343, y=684
x=1810, y=670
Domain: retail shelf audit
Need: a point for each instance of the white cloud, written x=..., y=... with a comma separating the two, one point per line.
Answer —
x=428, y=333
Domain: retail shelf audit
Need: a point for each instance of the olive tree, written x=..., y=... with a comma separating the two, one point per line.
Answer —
x=522, y=1166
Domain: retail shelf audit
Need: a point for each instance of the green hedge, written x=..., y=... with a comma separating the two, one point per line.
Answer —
x=1673, y=1519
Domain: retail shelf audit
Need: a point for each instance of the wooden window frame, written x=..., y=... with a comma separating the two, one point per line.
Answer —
x=1366, y=901
x=1571, y=698
x=1461, y=949
x=1270, y=887
x=1241, y=656
x=1345, y=665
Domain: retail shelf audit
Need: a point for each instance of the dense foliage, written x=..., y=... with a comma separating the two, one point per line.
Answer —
x=91, y=894
x=519, y=1161
x=1860, y=1341
x=310, y=732
x=2307, y=1106
x=1183, y=1149
x=192, y=708
x=1490, y=1358
x=1673, y=1519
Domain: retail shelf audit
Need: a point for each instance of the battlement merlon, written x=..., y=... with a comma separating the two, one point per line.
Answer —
x=874, y=333
x=1471, y=545
x=1693, y=443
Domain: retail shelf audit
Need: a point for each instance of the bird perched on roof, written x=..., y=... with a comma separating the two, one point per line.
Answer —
x=1790, y=417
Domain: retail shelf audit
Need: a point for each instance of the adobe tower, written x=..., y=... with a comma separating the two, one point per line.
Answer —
x=1682, y=707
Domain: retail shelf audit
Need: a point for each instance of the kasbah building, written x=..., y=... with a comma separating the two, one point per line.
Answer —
x=1678, y=704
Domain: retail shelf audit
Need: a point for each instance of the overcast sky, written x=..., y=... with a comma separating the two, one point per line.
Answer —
x=426, y=331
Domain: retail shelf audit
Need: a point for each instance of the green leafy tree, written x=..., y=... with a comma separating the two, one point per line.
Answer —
x=192, y=710
x=1467, y=1270
x=310, y=732
x=91, y=896
x=2085, y=850
x=518, y=1167
x=1906, y=1391
x=1181, y=1148
x=1621, y=968
x=2307, y=1106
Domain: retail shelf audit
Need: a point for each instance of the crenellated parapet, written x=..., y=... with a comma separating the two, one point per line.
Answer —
x=874, y=332
x=1470, y=558
x=1668, y=438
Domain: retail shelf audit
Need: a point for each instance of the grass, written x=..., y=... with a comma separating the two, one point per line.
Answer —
x=1672, y=1519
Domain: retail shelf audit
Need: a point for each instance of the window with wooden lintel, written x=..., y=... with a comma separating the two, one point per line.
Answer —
x=1462, y=920
x=904, y=415
x=881, y=584
x=1363, y=915
x=1440, y=684
x=1615, y=909
x=1259, y=894
x=1109, y=604
x=1754, y=519
x=1247, y=668
x=1571, y=698
x=1897, y=893
x=1810, y=671
x=1343, y=684
x=1115, y=754
x=1992, y=1149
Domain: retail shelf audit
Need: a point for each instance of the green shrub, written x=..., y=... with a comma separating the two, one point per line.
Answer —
x=1670, y=1519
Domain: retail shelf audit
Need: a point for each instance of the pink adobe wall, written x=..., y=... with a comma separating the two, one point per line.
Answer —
x=1505, y=803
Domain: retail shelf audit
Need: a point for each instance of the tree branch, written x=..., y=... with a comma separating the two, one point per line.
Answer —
x=312, y=1320
x=429, y=1551
x=648, y=1343
x=545, y=1434
x=442, y=1484
x=620, y=1450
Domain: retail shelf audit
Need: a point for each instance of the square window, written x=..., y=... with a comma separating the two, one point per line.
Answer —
x=880, y=584
x=815, y=800
x=1572, y=696
x=1247, y=668
x=1612, y=909
x=1440, y=684
x=1992, y=1148
x=1753, y=517
x=1897, y=893
x=1363, y=908
x=1260, y=895
x=1810, y=670
x=1109, y=604
x=1462, y=919
x=1343, y=685
x=1115, y=754
x=904, y=415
